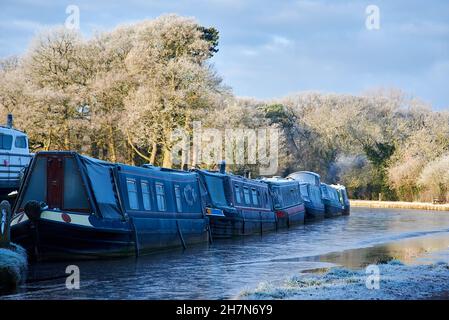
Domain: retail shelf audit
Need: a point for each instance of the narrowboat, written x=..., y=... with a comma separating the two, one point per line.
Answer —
x=344, y=199
x=14, y=157
x=309, y=184
x=332, y=205
x=73, y=206
x=287, y=202
x=237, y=206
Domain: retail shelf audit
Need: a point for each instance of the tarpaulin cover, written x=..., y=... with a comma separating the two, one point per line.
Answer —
x=99, y=174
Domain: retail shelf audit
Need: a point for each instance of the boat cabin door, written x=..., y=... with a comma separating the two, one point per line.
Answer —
x=55, y=181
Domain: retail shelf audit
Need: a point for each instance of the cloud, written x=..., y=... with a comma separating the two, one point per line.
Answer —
x=22, y=25
x=271, y=48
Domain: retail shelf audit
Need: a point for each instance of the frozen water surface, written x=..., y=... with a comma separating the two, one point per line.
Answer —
x=232, y=268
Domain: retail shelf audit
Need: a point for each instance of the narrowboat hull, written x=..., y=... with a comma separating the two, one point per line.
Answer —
x=242, y=224
x=314, y=212
x=332, y=210
x=291, y=216
x=88, y=237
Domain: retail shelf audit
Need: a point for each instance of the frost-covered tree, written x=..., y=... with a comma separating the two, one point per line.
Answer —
x=176, y=83
x=435, y=178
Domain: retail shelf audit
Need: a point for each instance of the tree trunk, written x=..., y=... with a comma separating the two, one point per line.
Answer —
x=153, y=153
x=66, y=137
x=47, y=143
x=134, y=148
x=167, y=162
x=111, y=143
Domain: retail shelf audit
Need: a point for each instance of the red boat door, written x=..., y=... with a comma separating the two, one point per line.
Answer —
x=55, y=181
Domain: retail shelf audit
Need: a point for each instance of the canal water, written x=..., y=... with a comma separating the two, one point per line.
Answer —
x=227, y=267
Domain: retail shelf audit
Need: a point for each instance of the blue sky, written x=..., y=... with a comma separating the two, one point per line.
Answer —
x=270, y=49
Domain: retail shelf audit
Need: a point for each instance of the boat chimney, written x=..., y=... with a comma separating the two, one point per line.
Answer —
x=223, y=167
x=9, y=120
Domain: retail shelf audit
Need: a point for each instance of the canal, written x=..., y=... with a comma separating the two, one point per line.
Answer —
x=227, y=267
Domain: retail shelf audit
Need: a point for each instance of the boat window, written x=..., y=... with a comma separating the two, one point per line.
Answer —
x=74, y=193
x=21, y=142
x=238, y=197
x=37, y=188
x=265, y=196
x=325, y=193
x=146, y=194
x=292, y=196
x=246, y=194
x=178, y=198
x=5, y=141
x=277, y=197
x=255, y=196
x=132, y=194
x=160, y=197
x=215, y=188
x=304, y=191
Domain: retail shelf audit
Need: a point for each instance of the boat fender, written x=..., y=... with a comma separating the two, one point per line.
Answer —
x=33, y=209
x=5, y=209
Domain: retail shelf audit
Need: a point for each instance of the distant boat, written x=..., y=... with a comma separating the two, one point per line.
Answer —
x=14, y=157
x=72, y=206
x=311, y=193
x=287, y=201
x=237, y=206
x=332, y=205
x=343, y=197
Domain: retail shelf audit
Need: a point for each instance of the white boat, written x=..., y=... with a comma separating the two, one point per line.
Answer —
x=14, y=157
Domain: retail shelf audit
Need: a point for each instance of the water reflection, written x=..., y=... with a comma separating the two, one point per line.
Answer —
x=226, y=267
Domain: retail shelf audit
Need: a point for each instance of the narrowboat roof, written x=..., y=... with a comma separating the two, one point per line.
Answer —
x=13, y=129
x=229, y=175
x=144, y=170
x=338, y=186
x=277, y=181
x=304, y=172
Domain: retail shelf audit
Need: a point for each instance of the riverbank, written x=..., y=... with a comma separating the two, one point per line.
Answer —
x=399, y=205
x=395, y=281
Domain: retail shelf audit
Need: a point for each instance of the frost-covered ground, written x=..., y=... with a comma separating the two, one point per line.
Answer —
x=396, y=281
x=13, y=267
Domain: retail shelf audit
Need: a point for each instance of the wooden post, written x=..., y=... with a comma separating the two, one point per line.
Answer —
x=380, y=196
x=5, y=221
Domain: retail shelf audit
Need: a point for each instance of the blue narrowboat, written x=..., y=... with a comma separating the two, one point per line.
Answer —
x=343, y=197
x=237, y=206
x=72, y=206
x=287, y=202
x=332, y=205
x=309, y=184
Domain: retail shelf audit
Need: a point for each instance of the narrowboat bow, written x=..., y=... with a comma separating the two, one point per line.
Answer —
x=73, y=206
x=332, y=205
x=311, y=193
x=287, y=201
x=237, y=206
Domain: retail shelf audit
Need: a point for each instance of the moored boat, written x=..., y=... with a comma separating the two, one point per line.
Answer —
x=287, y=202
x=14, y=157
x=72, y=206
x=343, y=197
x=237, y=206
x=332, y=205
x=309, y=183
